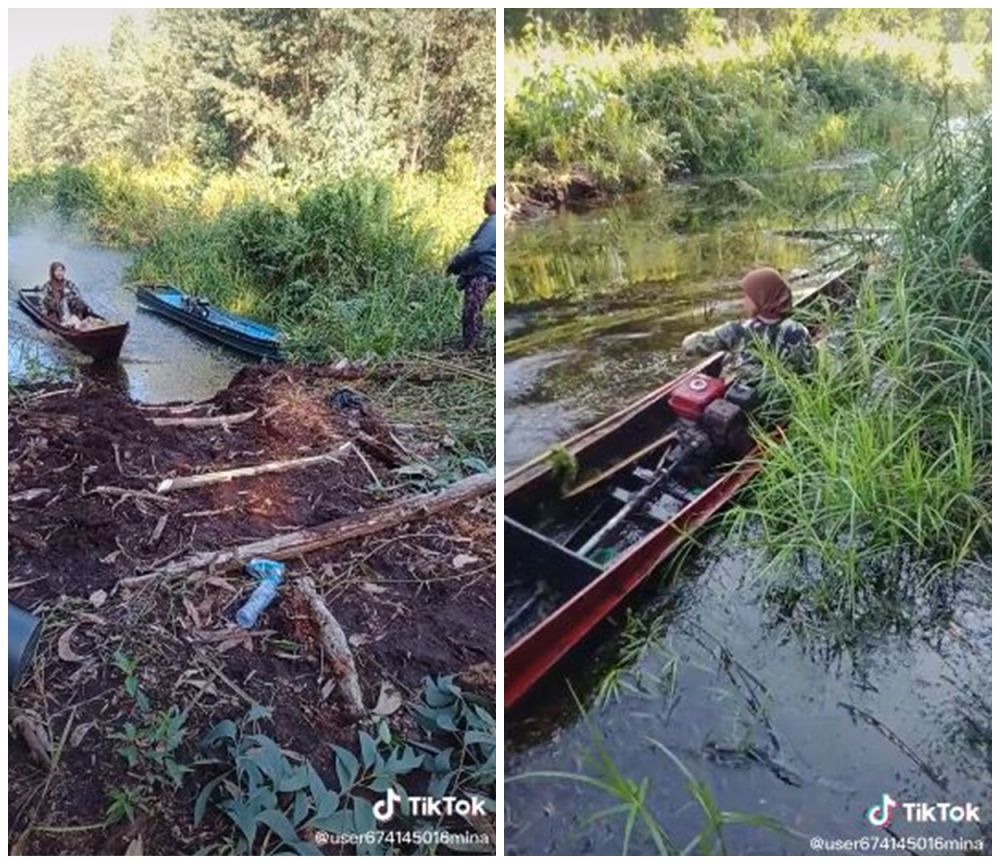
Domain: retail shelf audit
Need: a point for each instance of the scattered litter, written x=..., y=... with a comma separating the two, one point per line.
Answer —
x=64, y=646
x=271, y=574
x=347, y=398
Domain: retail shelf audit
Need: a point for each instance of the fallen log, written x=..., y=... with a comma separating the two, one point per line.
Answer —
x=334, y=641
x=203, y=422
x=296, y=543
x=172, y=484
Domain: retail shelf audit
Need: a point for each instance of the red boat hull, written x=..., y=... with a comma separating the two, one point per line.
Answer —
x=537, y=651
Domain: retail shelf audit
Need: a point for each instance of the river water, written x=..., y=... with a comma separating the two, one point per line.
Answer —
x=776, y=720
x=160, y=361
x=596, y=303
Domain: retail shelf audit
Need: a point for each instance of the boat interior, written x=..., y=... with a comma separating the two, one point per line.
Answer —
x=566, y=527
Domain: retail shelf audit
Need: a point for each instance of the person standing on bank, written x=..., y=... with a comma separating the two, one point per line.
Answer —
x=476, y=269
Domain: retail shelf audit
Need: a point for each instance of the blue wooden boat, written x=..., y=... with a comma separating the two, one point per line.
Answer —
x=242, y=334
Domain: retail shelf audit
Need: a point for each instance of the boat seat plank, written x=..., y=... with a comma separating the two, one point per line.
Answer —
x=537, y=557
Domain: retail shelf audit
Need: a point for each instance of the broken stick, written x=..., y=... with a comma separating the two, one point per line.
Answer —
x=296, y=543
x=203, y=422
x=28, y=495
x=124, y=492
x=335, y=643
x=174, y=483
x=175, y=410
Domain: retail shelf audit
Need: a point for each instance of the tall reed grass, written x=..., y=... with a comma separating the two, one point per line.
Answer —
x=880, y=488
x=347, y=269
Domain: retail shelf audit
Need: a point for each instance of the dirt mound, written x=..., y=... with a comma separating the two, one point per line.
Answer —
x=86, y=520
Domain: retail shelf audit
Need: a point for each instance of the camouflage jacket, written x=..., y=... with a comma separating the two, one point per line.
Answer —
x=57, y=300
x=787, y=338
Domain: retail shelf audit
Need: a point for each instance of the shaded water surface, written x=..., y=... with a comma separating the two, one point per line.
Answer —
x=771, y=717
x=160, y=361
x=774, y=721
x=596, y=304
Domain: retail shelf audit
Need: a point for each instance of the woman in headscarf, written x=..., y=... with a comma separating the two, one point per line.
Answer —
x=767, y=300
x=61, y=300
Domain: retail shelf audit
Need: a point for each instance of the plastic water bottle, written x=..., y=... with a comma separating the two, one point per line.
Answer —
x=270, y=575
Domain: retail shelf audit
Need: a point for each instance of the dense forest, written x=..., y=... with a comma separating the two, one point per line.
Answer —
x=671, y=26
x=274, y=160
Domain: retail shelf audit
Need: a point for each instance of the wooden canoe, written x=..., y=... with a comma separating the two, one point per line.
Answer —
x=101, y=343
x=558, y=595
x=242, y=334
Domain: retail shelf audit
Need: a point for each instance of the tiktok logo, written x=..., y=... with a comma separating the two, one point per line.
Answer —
x=881, y=814
x=385, y=810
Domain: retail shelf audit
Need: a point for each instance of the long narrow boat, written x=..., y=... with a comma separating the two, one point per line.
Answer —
x=242, y=334
x=587, y=523
x=101, y=343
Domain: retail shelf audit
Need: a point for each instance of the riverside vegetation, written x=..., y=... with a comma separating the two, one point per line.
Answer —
x=317, y=176
x=881, y=486
x=618, y=105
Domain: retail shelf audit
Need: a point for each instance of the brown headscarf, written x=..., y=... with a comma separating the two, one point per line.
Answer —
x=770, y=294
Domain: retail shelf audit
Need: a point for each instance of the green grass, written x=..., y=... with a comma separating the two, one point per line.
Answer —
x=880, y=489
x=354, y=268
x=637, y=809
x=628, y=114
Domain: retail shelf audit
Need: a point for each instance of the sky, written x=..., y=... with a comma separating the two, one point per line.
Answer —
x=31, y=32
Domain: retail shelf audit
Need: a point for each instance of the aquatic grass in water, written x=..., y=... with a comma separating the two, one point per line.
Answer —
x=636, y=809
x=879, y=489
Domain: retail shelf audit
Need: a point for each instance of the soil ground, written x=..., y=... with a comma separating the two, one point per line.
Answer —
x=416, y=600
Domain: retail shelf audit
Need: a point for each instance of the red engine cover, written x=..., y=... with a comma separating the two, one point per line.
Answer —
x=695, y=394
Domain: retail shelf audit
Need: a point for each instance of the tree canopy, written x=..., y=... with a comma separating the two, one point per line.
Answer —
x=675, y=25
x=321, y=91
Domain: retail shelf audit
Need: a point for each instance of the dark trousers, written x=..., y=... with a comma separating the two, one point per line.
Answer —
x=477, y=291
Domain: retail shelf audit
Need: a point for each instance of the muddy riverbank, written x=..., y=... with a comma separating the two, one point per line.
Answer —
x=92, y=544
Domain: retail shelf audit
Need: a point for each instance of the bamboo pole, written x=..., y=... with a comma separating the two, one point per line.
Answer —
x=173, y=484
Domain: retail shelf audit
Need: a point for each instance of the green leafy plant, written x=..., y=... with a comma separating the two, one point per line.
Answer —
x=268, y=796
x=129, y=667
x=151, y=746
x=123, y=802
x=274, y=799
x=470, y=764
